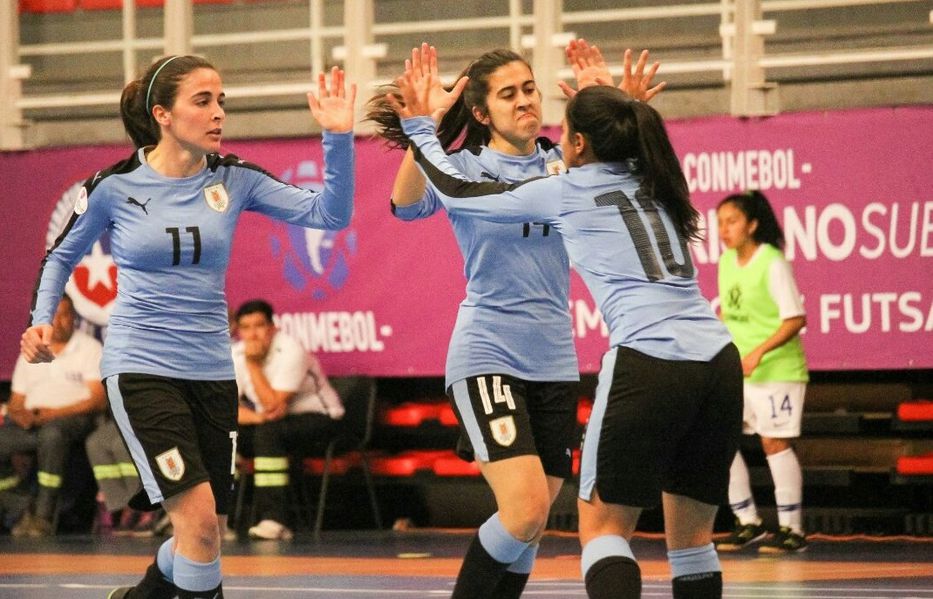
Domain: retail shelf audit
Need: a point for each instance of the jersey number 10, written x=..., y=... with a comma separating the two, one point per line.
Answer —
x=646, y=253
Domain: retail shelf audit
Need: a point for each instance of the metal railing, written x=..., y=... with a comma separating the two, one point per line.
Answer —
x=741, y=28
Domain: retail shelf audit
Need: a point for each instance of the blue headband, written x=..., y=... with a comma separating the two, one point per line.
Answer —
x=151, y=81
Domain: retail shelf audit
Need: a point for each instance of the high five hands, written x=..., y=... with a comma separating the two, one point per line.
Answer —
x=332, y=107
x=590, y=68
x=420, y=87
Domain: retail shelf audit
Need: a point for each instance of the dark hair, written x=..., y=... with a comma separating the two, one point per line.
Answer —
x=256, y=306
x=620, y=129
x=459, y=122
x=141, y=95
x=755, y=206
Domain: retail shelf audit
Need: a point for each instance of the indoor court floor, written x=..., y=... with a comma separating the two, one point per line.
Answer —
x=424, y=562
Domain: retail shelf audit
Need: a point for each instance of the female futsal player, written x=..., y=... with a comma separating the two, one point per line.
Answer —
x=511, y=362
x=761, y=307
x=172, y=207
x=667, y=412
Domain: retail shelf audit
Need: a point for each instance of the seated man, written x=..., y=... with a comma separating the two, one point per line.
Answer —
x=117, y=483
x=287, y=406
x=52, y=408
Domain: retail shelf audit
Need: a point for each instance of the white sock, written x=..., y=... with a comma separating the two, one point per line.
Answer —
x=740, y=492
x=788, y=488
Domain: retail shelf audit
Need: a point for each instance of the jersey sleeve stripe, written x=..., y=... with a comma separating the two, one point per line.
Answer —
x=461, y=188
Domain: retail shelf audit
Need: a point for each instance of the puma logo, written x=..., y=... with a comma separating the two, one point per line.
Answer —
x=135, y=202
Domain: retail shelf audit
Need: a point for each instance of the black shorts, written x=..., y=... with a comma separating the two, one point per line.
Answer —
x=662, y=425
x=179, y=432
x=503, y=417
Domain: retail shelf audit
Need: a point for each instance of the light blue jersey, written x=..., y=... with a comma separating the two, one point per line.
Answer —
x=515, y=318
x=171, y=239
x=625, y=247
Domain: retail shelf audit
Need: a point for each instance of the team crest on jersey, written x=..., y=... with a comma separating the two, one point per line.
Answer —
x=81, y=202
x=171, y=464
x=555, y=167
x=503, y=430
x=216, y=197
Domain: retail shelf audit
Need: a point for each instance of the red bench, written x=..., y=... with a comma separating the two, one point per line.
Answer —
x=47, y=6
x=915, y=465
x=915, y=411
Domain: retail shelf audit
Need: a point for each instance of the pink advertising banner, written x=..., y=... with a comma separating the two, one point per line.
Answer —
x=852, y=189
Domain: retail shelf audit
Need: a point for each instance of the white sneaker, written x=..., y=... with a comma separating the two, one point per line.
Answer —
x=229, y=535
x=270, y=530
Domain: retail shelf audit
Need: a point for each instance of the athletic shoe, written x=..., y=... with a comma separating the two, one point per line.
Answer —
x=229, y=535
x=743, y=536
x=163, y=527
x=270, y=530
x=103, y=520
x=784, y=541
x=145, y=525
x=127, y=523
x=120, y=593
x=32, y=526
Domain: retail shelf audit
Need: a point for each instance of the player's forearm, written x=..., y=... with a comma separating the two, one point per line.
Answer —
x=409, y=183
x=789, y=329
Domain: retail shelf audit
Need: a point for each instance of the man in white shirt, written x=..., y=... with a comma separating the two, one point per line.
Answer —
x=287, y=406
x=52, y=408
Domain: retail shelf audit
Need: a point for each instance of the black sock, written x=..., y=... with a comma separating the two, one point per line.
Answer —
x=706, y=585
x=215, y=593
x=479, y=574
x=614, y=577
x=153, y=585
x=510, y=585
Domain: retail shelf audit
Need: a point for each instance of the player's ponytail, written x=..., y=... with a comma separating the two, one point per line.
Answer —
x=661, y=170
x=158, y=86
x=619, y=129
x=137, y=123
x=755, y=206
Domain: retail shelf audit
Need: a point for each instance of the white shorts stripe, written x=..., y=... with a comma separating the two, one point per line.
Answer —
x=136, y=448
x=594, y=426
x=465, y=407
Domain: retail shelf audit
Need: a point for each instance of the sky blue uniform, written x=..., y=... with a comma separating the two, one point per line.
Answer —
x=515, y=317
x=171, y=241
x=627, y=251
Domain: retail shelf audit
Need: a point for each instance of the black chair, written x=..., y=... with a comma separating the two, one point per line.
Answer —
x=353, y=435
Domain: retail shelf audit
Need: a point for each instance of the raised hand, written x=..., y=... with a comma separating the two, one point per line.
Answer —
x=638, y=84
x=588, y=66
x=422, y=68
x=414, y=91
x=420, y=89
x=332, y=107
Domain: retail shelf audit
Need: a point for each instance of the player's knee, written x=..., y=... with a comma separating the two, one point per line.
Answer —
x=203, y=530
x=527, y=519
x=775, y=445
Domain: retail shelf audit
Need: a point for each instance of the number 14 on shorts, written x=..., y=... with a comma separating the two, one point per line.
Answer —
x=500, y=393
x=781, y=405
